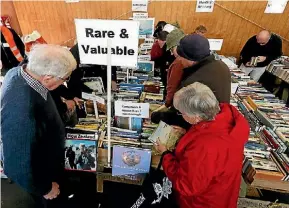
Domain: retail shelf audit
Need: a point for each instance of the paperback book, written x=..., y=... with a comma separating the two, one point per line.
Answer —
x=167, y=135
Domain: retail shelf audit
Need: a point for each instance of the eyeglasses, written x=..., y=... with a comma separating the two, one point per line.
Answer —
x=66, y=79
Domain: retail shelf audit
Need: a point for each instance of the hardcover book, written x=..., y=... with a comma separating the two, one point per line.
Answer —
x=130, y=161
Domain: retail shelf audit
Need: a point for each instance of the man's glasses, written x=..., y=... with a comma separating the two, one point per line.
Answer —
x=64, y=79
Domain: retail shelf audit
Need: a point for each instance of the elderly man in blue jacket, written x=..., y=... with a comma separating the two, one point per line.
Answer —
x=32, y=132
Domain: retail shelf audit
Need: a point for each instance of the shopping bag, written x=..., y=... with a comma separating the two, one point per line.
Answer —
x=157, y=191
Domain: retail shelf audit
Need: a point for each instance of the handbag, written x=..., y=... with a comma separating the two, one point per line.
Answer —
x=157, y=191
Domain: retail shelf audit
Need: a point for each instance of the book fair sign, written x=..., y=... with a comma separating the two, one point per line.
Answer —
x=93, y=35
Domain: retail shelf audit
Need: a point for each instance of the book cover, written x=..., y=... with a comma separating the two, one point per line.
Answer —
x=130, y=161
x=80, y=155
x=167, y=136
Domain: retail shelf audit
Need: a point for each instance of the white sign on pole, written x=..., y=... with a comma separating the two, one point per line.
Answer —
x=92, y=37
x=140, y=15
x=276, y=6
x=147, y=46
x=129, y=109
x=205, y=5
x=215, y=44
x=144, y=58
x=139, y=5
x=92, y=97
x=149, y=40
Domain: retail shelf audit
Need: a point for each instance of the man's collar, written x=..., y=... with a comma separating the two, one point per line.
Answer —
x=33, y=83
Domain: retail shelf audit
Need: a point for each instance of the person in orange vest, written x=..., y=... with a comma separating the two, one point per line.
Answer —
x=12, y=49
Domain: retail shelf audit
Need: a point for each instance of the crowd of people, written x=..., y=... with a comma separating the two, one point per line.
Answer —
x=205, y=167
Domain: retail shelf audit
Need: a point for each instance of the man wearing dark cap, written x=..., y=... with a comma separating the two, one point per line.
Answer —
x=204, y=69
x=213, y=73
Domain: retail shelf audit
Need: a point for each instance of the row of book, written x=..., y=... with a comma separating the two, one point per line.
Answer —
x=131, y=138
x=267, y=149
x=280, y=68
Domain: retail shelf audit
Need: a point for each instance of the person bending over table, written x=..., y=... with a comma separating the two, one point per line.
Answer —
x=205, y=168
x=264, y=46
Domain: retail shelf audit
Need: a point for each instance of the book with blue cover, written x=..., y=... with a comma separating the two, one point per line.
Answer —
x=130, y=161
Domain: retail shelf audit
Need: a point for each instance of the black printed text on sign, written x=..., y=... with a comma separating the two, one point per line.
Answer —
x=129, y=109
x=92, y=36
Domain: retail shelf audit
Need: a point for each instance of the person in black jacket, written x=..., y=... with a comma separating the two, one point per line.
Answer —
x=266, y=46
x=76, y=86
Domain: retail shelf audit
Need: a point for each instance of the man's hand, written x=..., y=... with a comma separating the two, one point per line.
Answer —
x=70, y=105
x=54, y=192
x=77, y=101
x=160, y=147
x=261, y=59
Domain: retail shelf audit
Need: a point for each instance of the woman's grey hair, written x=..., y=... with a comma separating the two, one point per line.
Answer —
x=54, y=60
x=197, y=100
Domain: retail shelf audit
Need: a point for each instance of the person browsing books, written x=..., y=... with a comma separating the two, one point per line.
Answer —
x=175, y=71
x=32, y=131
x=205, y=167
x=201, y=30
x=264, y=48
x=204, y=69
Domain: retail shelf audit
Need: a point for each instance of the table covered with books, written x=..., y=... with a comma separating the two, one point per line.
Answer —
x=266, y=160
x=266, y=163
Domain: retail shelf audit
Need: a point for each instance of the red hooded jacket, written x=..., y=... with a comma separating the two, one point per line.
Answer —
x=205, y=169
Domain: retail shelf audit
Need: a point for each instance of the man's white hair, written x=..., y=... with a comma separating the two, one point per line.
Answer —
x=197, y=100
x=54, y=60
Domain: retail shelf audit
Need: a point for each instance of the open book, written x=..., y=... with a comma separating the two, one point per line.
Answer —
x=168, y=135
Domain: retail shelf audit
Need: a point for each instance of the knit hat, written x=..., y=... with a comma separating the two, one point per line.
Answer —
x=174, y=38
x=194, y=47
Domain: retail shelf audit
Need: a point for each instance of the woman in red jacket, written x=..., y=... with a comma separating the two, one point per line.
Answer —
x=205, y=168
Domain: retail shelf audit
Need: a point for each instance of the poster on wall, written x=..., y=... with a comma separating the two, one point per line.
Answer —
x=93, y=36
x=146, y=27
x=276, y=6
x=139, y=5
x=205, y=5
x=140, y=15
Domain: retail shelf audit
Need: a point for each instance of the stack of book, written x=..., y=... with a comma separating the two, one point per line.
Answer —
x=280, y=68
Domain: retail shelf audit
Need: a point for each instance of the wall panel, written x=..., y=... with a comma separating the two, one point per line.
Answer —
x=55, y=19
x=7, y=8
